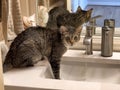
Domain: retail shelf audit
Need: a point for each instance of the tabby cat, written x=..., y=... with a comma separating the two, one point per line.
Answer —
x=65, y=17
x=75, y=19
x=53, y=14
x=33, y=44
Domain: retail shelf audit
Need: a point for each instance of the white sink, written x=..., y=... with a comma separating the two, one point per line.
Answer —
x=90, y=72
x=78, y=71
x=90, y=68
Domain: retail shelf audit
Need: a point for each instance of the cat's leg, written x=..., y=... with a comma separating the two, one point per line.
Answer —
x=55, y=64
x=26, y=63
x=26, y=56
x=55, y=58
x=30, y=61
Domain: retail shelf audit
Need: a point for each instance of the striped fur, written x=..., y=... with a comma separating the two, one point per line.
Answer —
x=33, y=44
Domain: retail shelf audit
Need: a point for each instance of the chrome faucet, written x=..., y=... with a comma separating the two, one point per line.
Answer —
x=88, y=40
x=90, y=31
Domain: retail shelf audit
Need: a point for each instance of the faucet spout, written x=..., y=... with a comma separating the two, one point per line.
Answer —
x=88, y=41
x=88, y=45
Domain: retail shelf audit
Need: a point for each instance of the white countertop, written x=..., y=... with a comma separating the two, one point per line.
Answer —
x=79, y=55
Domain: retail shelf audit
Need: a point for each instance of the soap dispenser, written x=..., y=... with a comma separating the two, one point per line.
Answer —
x=107, y=38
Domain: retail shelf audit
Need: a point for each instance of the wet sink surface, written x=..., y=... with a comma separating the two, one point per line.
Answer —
x=92, y=72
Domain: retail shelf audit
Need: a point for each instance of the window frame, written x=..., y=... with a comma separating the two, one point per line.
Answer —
x=97, y=38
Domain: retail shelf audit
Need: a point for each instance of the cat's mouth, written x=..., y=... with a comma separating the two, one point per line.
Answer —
x=71, y=43
x=68, y=44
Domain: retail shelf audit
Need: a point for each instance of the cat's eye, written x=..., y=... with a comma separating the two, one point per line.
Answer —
x=76, y=38
x=67, y=38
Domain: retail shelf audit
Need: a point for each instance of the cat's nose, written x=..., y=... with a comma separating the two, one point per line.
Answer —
x=71, y=42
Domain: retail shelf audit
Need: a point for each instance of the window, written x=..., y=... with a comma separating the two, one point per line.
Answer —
x=109, y=9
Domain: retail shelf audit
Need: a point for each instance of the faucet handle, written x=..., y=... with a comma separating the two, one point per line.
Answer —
x=89, y=31
x=109, y=22
x=87, y=40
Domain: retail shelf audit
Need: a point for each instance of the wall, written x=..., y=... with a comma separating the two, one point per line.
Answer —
x=104, y=2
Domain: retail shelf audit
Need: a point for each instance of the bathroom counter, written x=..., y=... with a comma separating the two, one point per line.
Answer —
x=51, y=84
x=79, y=55
x=35, y=78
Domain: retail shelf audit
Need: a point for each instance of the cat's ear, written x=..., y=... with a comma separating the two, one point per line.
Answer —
x=78, y=9
x=89, y=12
x=63, y=29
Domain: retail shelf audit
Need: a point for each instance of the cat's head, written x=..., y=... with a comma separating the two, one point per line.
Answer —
x=87, y=13
x=70, y=35
x=75, y=19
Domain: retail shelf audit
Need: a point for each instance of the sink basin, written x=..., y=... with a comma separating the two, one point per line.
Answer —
x=91, y=68
x=90, y=72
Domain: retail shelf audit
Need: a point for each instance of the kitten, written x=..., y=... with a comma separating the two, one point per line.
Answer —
x=53, y=14
x=75, y=19
x=59, y=15
x=33, y=44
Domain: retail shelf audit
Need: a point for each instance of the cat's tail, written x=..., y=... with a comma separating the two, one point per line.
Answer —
x=7, y=67
x=57, y=4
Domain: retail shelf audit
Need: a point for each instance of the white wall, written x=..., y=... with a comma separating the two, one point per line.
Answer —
x=104, y=2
